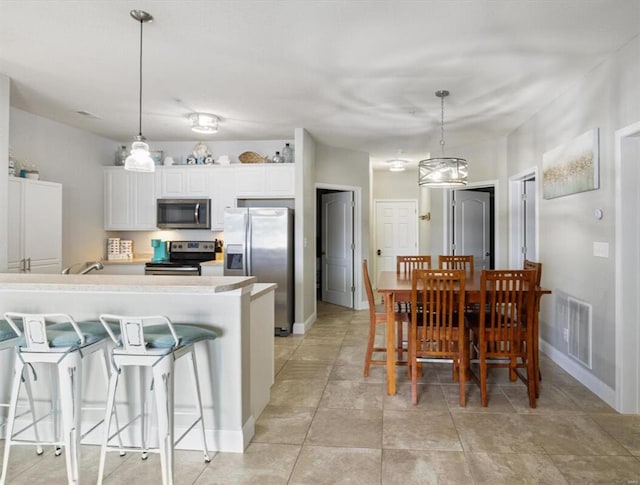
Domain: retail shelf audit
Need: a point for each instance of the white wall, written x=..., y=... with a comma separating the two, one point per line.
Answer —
x=330, y=171
x=5, y=83
x=305, y=217
x=75, y=159
x=609, y=99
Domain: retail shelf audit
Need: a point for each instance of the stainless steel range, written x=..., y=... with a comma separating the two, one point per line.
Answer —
x=184, y=259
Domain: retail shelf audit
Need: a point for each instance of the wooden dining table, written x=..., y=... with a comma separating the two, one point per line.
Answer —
x=397, y=287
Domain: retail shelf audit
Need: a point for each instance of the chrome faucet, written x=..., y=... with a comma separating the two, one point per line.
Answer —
x=89, y=266
x=97, y=265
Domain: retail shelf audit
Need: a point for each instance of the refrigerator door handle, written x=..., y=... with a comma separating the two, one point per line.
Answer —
x=247, y=246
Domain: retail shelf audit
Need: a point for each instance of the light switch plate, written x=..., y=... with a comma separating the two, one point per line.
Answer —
x=601, y=249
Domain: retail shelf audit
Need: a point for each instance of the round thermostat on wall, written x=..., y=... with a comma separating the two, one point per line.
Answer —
x=597, y=213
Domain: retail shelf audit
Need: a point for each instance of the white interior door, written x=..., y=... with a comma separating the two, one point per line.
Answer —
x=337, y=248
x=472, y=226
x=396, y=232
x=530, y=250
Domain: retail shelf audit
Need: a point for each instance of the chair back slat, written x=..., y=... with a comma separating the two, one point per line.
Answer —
x=406, y=264
x=451, y=261
x=437, y=311
x=507, y=298
x=369, y=289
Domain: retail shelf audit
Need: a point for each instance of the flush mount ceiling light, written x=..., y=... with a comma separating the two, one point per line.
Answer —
x=397, y=165
x=442, y=171
x=204, y=123
x=140, y=159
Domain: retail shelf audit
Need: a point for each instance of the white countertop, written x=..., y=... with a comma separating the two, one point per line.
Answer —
x=123, y=283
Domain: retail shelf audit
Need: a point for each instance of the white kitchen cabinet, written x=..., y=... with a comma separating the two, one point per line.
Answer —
x=34, y=226
x=265, y=180
x=184, y=181
x=129, y=200
x=223, y=195
x=280, y=180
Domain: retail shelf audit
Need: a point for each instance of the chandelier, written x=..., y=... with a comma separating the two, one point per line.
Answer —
x=442, y=171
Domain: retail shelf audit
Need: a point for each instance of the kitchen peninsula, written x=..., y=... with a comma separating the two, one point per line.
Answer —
x=235, y=370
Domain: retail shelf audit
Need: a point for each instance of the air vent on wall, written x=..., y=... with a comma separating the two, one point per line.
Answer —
x=573, y=318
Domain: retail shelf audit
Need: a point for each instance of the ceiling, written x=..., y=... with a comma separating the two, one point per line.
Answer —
x=356, y=74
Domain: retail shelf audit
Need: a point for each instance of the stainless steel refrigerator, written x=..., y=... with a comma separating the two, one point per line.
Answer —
x=259, y=242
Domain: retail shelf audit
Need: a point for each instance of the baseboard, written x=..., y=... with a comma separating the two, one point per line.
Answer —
x=586, y=378
x=302, y=328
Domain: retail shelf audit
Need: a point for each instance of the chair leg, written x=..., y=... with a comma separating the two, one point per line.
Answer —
x=163, y=392
x=70, y=379
x=29, y=392
x=484, y=398
x=369, y=353
x=143, y=412
x=11, y=418
x=198, y=403
x=109, y=411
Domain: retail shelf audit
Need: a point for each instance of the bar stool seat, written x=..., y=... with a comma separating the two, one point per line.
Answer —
x=54, y=339
x=153, y=342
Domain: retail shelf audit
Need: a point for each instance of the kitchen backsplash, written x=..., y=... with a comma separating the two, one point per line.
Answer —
x=142, y=239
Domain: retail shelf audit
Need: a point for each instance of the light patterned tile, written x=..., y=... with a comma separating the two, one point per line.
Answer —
x=284, y=425
x=587, y=470
x=510, y=468
x=424, y=467
x=419, y=431
x=260, y=463
x=320, y=465
x=352, y=428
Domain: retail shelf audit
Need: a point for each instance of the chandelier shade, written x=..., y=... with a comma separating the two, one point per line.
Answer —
x=140, y=159
x=442, y=171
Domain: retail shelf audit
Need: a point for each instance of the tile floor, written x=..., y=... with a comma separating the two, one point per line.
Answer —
x=326, y=424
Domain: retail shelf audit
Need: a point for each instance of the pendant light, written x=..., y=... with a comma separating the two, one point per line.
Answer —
x=140, y=159
x=442, y=171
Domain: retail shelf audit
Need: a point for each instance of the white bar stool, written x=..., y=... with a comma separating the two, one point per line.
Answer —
x=55, y=339
x=154, y=342
x=9, y=340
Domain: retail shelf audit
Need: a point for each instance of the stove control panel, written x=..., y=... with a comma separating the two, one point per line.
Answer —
x=192, y=247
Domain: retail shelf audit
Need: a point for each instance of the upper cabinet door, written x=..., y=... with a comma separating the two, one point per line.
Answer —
x=129, y=200
x=184, y=181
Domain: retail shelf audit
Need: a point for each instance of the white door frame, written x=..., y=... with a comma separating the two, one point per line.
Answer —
x=627, y=309
x=446, y=215
x=515, y=216
x=358, y=302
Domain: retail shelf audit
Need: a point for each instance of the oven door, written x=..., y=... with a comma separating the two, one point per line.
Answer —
x=184, y=213
x=171, y=269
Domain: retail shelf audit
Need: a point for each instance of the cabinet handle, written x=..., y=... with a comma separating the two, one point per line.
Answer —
x=29, y=264
x=23, y=265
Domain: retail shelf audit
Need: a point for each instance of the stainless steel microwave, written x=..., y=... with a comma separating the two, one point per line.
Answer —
x=184, y=213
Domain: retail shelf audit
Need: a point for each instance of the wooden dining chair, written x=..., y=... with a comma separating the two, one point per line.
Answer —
x=440, y=333
x=503, y=333
x=537, y=268
x=406, y=264
x=379, y=318
x=455, y=261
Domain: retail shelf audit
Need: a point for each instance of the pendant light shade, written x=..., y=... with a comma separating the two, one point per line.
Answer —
x=140, y=159
x=442, y=171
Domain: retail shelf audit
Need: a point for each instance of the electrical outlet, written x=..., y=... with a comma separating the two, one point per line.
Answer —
x=565, y=333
